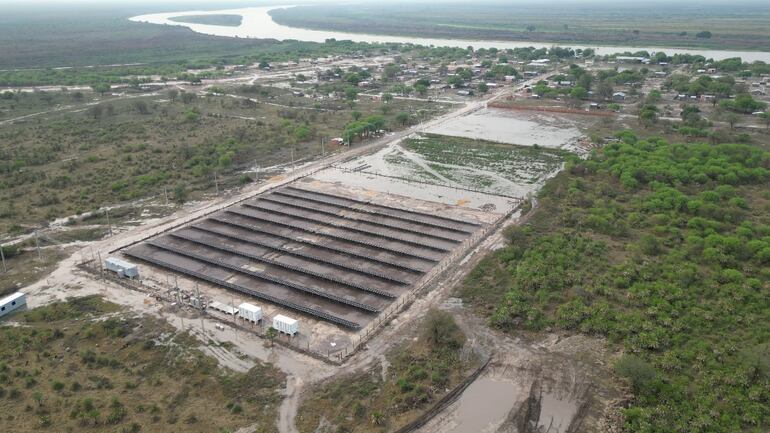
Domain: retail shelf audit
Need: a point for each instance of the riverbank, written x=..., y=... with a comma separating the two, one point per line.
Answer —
x=258, y=23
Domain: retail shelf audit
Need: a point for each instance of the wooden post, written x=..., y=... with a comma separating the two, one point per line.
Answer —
x=2, y=256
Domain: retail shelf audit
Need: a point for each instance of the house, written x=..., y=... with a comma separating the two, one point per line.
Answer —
x=337, y=141
x=618, y=96
x=464, y=92
x=12, y=302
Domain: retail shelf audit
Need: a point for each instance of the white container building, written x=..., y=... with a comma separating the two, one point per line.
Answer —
x=12, y=302
x=249, y=312
x=121, y=267
x=284, y=324
x=224, y=308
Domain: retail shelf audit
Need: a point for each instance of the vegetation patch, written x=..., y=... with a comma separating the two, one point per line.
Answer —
x=83, y=365
x=664, y=249
x=418, y=373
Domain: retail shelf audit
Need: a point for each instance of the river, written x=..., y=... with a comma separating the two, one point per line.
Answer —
x=257, y=23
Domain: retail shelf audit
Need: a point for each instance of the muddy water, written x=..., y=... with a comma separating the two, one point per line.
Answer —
x=484, y=405
x=556, y=413
x=420, y=191
x=514, y=127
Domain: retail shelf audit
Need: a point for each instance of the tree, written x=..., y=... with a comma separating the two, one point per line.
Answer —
x=387, y=97
x=703, y=35
x=391, y=70
x=578, y=93
x=96, y=111
x=272, y=334
x=639, y=372
x=421, y=89
x=402, y=118
x=442, y=332
x=188, y=97
x=172, y=95
x=654, y=97
x=530, y=28
x=101, y=88
x=483, y=88
x=731, y=119
x=141, y=107
x=180, y=192
x=604, y=90
x=648, y=115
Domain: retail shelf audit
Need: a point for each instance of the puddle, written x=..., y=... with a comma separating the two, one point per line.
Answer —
x=514, y=127
x=484, y=405
x=556, y=414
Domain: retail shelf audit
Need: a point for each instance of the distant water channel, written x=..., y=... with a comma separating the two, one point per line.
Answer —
x=257, y=23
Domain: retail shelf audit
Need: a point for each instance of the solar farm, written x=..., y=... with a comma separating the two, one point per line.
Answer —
x=334, y=256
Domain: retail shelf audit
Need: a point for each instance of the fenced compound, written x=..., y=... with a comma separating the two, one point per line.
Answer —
x=351, y=263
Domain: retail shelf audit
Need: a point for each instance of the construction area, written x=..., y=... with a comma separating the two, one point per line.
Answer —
x=340, y=259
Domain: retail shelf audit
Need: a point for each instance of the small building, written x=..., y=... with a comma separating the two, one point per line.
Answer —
x=464, y=92
x=123, y=268
x=223, y=308
x=285, y=324
x=12, y=302
x=337, y=141
x=249, y=312
x=618, y=96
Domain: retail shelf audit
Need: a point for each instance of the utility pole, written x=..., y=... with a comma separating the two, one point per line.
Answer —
x=216, y=182
x=2, y=256
x=292, y=157
x=165, y=194
x=323, y=152
x=109, y=226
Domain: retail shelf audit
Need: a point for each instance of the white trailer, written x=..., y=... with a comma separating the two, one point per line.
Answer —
x=12, y=302
x=121, y=267
x=284, y=324
x=249, y=312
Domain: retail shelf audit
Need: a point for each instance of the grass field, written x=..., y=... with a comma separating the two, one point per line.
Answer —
x=85, y=365
x=486, y=165
x=737, y=26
